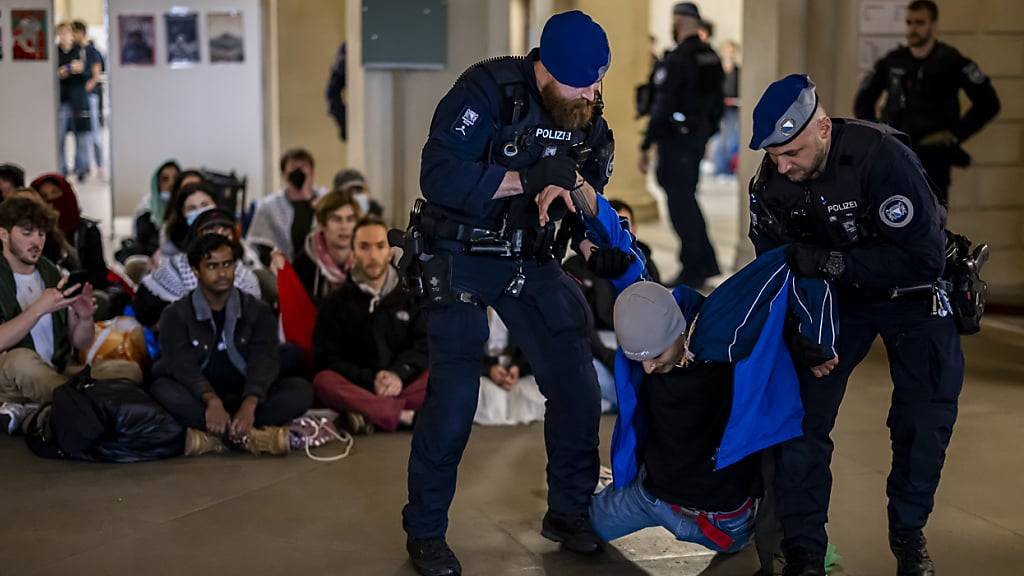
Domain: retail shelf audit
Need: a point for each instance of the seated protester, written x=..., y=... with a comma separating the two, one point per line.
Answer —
x=12, y=177
x=352, y=181
x=149, y=216
x=370, y=341
x=283, y=220
x=187, y=203
x=687, y=407
x=41, y=318
x=82, y=234
x=175, y=277
x=218, y=373
x=325, y=259
x=509, y=394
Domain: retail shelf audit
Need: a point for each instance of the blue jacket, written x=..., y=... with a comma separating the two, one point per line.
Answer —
x=741, y=322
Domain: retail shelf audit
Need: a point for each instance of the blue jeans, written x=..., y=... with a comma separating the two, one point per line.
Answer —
x=66, y=123
x=97, y=130
x=617, y=513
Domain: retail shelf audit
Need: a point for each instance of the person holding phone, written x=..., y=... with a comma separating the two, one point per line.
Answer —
x=44, y=314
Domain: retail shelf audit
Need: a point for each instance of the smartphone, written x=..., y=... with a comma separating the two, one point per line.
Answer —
x=79, y=277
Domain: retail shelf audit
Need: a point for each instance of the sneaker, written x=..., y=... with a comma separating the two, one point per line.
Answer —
x=911, y=550
x=356, y=424
x=272, y=440
x=573, y=531
x=12, y=415
x=433, y=557
x=198, y=442
x=803, y=562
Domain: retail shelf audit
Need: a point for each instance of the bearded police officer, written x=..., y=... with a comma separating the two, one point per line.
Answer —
x=511, y=146
x=687, y=106
x=922, y=83
x=854, y=204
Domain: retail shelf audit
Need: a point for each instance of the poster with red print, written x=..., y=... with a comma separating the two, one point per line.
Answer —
x=28, y=35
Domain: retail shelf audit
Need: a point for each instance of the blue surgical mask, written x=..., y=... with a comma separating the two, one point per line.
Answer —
x=191, y=215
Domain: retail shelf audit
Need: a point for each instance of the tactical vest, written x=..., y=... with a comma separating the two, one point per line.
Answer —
x=833, y=210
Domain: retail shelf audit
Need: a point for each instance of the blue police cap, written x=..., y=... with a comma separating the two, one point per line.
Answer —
x=686, y=9
x=574, y=49
x=784, y=110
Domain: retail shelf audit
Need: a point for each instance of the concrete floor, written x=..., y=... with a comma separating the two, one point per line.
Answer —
x=234, y=514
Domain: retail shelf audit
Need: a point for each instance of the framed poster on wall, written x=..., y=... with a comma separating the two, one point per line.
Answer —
x=182, y=38
x=136, y=39
x=28, y=34
x=227, y=40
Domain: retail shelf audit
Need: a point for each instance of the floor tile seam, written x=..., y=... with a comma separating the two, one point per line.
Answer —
x=985, y=519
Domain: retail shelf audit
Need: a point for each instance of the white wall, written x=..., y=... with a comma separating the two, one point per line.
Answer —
x=208, y=115
x=28, y=99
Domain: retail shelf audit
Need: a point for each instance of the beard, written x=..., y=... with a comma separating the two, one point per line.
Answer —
x=28, y=256
x=567, y=114
x=918, y=40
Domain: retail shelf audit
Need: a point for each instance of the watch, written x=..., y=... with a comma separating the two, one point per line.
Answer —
x=835, y=265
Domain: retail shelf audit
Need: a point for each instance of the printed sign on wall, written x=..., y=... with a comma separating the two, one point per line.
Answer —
x=137, y=39
x=28, y=32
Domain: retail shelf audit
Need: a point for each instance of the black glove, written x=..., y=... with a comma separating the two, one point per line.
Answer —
x=548, y=171
x=609, y=262
x=805, y=351
x=815, y=262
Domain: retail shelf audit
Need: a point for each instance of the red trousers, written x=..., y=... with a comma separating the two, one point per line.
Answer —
x=337, y=393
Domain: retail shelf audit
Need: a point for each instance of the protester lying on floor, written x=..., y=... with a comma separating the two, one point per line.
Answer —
x=218, y=373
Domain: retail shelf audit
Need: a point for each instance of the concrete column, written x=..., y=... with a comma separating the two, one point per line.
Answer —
x=775, y=40
x=631, y=62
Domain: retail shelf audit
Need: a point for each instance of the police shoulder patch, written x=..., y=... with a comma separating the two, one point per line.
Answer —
x=610, y=167
x=465, y=123
x=974, y=74
x=896, y=211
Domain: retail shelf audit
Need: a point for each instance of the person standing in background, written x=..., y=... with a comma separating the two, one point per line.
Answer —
x=73, y=114
x=95, y=64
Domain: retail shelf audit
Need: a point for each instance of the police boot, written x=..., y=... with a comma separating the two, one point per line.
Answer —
x=198, y=443
x=572, y=530
x=803, y=562
x=433, y=557
x=271, y=440
x=911, y=552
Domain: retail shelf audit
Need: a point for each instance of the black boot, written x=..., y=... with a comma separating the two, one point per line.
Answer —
x=572, y=530
x=911, y=554
x=433, y=557
x=803, y=562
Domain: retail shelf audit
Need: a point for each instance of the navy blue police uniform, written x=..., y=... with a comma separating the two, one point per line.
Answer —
x=923, y=99
x=871, y=223
x=491, y=122
x=686, y=108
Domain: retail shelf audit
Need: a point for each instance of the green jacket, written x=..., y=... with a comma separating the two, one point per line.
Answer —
x=9, y=309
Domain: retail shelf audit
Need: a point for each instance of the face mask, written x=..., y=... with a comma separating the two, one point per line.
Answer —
x=297, y=178
x=191, y=215
x=165, y=195
x=363, y=199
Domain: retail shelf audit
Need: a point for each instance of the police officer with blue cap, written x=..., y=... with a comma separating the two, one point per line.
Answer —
x=854, y=205
x=687, y=105
x=516, y=145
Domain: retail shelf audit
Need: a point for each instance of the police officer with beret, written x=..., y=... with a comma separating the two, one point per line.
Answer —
x=853, y=203
x=514, y=146
x=687, y=106
x=922, y=83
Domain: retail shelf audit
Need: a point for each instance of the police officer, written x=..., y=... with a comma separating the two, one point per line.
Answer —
x=922, y=82
x=509, y=146
x=687, y=106
x=854, y=205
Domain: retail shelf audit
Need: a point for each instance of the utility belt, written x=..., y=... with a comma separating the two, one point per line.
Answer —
x=428, y=272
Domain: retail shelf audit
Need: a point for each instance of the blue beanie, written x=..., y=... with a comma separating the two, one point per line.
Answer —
x=784, y=110
x=574, y=49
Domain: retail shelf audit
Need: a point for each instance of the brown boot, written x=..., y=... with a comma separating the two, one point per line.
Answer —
x=271, y=440
x=198, y=443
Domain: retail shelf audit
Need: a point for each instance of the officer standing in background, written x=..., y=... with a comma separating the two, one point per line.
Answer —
x=854, y=204
x=922, y=83
x=509, y=146
x=687, y=106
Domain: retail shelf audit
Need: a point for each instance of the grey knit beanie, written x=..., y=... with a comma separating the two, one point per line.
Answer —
x=647, y=320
